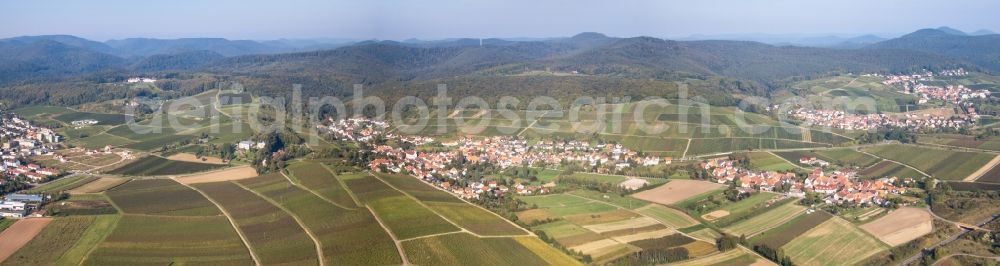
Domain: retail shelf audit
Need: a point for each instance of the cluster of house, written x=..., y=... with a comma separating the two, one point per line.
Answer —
x=917, y=77
x=140, y=80
x=840, y=186
x=502, y=151
x=952, y=93
x=18, y=205
x=844, y=120
x=84, y=122
x=22, y=140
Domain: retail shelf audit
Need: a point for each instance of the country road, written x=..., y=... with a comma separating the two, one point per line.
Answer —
x=945, y=241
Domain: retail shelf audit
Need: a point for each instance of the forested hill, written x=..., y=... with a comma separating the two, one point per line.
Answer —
x=740, y=65
x=588, y=54
x=983, y=50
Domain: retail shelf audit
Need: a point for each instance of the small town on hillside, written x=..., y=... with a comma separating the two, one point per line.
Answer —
x=910, y=84
x=21, y=139
x=841, y=186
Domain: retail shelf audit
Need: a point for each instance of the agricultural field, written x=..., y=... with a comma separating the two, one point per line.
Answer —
x=99, y=185
x=465, y=249
x=610, y=198
x=740, y=208
x=901, y=226
x=160, y=197
x=735, y=257
x=404, y=216
x=170, y=240
x=566, y=205
x=603, y=228
x=764, y=221
x=155, y=165
x=63, y=184
x=962, y=141
x=890, y=169
x=677, y=190
x=228, y=174
x=82, y=204
x=841, y=157
x=345, y=236
x=834, y=242
x=19, y=234
x=777, y=237
x=769, y=162
x=55, y=239
x=939, y=163
x=317, y=178
x=274, y=236
x=102, y=119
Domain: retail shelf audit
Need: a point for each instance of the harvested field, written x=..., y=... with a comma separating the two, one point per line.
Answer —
x=228, y=174
x=716, y=214
x=601, y=217
x=600, y=247
x=990, y=176
x=17, y=235
x=624, y=224
x=533, y=215
x=98, y=185
x=670, y=217
x=733, y=257
x=834, y=242
x=901, y=226
x=700, y=248
x=187, y=157
x=465, y=249
x=569, y=234
x=644, y=235
x=676, y=191
x=45, y=248
x=706, y=234
x=542, y=250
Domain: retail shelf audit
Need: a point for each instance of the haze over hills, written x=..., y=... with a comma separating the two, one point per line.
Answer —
x=342, y=61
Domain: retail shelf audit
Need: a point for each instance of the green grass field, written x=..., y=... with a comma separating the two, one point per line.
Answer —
x=160, y=197
x=670, y=217
x=347, y=237
x=474, y=219
x=768, y=162
x=141, y=239
x=273, y=234
x=102, y=119
x=834, y=242
x=611, y=198
x=943, y=164
x=564, y=205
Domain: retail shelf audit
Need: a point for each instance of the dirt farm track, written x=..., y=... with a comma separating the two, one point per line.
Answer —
x=19, y=234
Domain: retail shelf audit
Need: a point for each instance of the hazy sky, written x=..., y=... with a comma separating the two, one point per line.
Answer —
x=433, y=19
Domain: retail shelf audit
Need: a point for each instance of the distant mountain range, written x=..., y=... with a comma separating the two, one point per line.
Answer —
x=53, y=56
